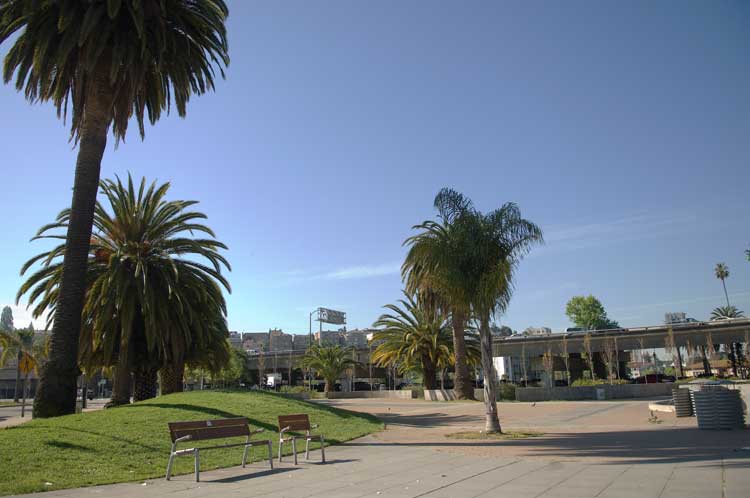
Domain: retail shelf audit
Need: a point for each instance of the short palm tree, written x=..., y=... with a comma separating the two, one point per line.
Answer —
x=722, y=273
x=413, y=338
x=153, y=294
x=110, y=60
x=724, y=312
x=14, y=344
x=437, y=262
x=330, y=362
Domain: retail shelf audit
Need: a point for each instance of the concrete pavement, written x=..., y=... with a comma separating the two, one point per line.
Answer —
x=11, y=415
x=598, y=449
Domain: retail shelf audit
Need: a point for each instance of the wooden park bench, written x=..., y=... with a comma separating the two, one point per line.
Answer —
x=299, y=422
x=204, y=430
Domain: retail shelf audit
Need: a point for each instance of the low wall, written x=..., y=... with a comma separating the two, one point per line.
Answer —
x=617, y=391
x=302, y=395
x=402, y=394
x=439, y=395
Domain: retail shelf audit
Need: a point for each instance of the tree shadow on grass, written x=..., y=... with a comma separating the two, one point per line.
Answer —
x=110, y=436
x=63, y=445
x=214, y=412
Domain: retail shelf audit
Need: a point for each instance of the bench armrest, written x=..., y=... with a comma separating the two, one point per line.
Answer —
x=257, y=431
x=285, y=429
x=183, y=438
x=314, y=426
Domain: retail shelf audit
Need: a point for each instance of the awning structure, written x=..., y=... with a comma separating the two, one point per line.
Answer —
x=684, y=334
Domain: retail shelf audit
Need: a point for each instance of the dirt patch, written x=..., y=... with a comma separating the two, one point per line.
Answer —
x=493, y=436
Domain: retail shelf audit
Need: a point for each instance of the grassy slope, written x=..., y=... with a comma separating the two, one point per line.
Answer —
x=132, y=442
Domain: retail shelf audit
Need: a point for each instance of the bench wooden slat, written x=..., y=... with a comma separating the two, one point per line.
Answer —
x=209, y=429
x=296, y=422
x=202, y=430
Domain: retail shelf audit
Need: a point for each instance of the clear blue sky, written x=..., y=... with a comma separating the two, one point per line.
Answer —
x=621, y=128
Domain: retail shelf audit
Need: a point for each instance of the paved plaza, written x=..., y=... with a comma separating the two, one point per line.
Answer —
x=589, y=449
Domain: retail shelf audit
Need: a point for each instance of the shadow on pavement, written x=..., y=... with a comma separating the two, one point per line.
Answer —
x=674, y=445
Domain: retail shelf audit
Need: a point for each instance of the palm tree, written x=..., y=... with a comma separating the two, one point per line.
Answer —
x=110, y=61
x=437, y=263
x=14, y=345
x=734, y=349
x=722, y=273
x=329, y=361
x=724, y=312
x=416, y=337
x=499, y=240
x=153, y=295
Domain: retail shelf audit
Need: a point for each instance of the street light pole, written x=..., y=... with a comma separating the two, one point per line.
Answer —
x=369, y=357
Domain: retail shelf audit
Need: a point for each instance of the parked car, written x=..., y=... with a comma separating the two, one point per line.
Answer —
x=654, y=379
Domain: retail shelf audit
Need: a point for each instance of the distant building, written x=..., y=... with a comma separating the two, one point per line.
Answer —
x=255, y=341
x=329, y=337
x=279, y=341
x=301, y=342
x=677, y=317
x=235, y=339
x=356, y=338
x=537, y=331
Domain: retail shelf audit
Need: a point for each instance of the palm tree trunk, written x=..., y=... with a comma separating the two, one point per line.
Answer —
x=56, y=394
x=492, y=422
x=121, y=386
x=724, y=284
x=706, y=363
x=329, y=386
x=462, y=383
x=171, y=378
x=144, y=383
x=428, y=373
x=18, y=377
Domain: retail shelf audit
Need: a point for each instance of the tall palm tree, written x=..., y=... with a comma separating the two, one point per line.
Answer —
x=499, y=240
x=329, y=361
x=153, y=294
x=722, y=273
x=437, y=263
x=416, y=337
x=110, y=61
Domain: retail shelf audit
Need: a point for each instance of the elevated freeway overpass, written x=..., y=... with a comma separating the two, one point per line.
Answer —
x=627, y=339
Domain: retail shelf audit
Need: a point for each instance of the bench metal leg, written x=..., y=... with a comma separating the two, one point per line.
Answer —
x=294, y=449
x=270, y=454
x=169, y=465
x=323, y=448
x=197, y=465
x=244, y=454
x=281, y=443
x=307, y=448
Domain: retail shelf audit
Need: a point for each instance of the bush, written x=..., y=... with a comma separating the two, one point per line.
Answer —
x=506, y=391
x=293, y=389
x=598, y=382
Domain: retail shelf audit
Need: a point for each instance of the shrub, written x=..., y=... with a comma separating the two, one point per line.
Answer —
x=506, y=391
x=293, y=389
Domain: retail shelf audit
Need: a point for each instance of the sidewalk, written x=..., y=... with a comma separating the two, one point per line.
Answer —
x=598, y=449
x=367, y=468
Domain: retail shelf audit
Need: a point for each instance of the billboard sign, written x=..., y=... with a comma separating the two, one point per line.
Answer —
x=331, y=316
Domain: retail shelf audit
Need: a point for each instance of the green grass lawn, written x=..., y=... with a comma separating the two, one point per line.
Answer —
x=132, y=443
x=4, y=404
